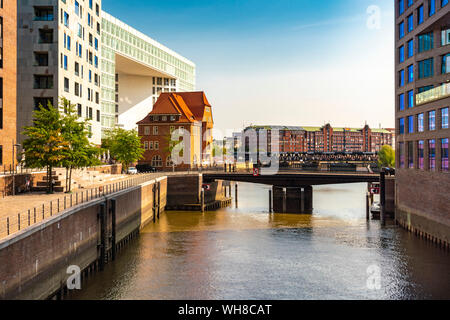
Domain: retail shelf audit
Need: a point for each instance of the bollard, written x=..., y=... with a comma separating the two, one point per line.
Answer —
x=29, y=218
x=64, y=202
x=284, y=200
x=34, y=214
x=71, y=198
x=18, y=220
x=383, y=197
x=7, y=225
x=43, y=211
x=51, y=208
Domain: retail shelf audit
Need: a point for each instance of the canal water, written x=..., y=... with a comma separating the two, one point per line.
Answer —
x=247, y=253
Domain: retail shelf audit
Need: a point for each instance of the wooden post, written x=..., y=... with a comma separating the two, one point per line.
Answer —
x=154, y=202
x=270, y=201
x=113, y=228
x=159, y=199
x=383, y=197
x=284, y=200
x=202, y=200
x=102, y=258
x=368, y=206
x=236, y=194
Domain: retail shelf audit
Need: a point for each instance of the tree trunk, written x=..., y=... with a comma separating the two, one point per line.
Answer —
x=67, y=179
x=70, y=179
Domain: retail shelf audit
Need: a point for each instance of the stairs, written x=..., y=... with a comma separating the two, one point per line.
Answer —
x=41, y=186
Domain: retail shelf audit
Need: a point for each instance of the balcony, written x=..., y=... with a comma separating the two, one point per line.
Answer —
x=434, y=94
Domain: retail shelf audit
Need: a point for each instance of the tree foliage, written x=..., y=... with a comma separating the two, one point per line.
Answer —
x=386, y=157
x=124, y=146
x=45, y=146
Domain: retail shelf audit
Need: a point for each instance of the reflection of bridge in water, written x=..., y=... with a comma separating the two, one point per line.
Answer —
x=293, y=192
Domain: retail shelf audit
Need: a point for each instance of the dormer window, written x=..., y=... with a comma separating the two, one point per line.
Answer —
x=164, y=118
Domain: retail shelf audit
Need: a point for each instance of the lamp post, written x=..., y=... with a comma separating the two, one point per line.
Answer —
x=13, y=168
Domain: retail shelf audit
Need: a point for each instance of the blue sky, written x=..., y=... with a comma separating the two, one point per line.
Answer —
x=293, y=62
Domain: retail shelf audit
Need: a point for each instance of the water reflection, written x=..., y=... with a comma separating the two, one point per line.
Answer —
x=247, y=253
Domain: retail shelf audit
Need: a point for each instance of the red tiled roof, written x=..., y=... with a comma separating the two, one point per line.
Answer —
x=190, y=105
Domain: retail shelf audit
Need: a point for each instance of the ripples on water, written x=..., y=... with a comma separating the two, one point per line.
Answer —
x=247, y=253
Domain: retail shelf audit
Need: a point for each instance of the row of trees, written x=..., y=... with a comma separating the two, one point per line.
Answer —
x=60, y=138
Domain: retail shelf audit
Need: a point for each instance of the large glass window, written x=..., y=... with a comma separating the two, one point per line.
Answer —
x=420, y=15
x=445, y=37
x=444, y=154
x=401, y=154
x=432, y=154
x=43, y=13
x=410, y=124
x=401, y=76
x=410, y=155
x=444, y=118
x=401, y=7
x=426, y=41
x=431, y=7
x=446, y=63
x=420, y=154
x=410, y=23
x=401, y=54
x=432, y=120
x=410, y=48
x=401, y=102
x=411, y=99
x=410, y=73
x=401, y=125
x=420, y=122
x=401, y=30
x=426, y=68
x=444, y=3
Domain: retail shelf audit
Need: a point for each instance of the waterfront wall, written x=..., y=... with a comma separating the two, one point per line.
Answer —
x=422, y=204
x=34, y=261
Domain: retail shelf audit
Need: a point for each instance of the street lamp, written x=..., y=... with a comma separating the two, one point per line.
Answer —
x=13, y=168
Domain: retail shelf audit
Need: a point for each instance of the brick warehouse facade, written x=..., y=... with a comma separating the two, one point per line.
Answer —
x=422, y=73
x=190, y=111
x=8, y=76
x=325, y=139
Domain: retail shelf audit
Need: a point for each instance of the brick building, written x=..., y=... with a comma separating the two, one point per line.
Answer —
x=190, y=111
x=8, y=72
x=422, y=73
x=324, y=139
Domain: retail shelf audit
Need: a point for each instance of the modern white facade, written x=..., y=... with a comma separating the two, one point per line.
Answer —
x=135, y=70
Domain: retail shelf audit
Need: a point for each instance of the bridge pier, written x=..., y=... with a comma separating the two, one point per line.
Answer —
x=292, y=200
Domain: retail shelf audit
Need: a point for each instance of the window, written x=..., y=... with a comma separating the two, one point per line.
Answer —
x=401, y=30
x=45, y=36
x=410, y=73
x=401, y=7
x=169, y=162
x=155, y=130
x=410, y=48
x=426, y=68
x=431, y=7
x=410, y=3
x=401, y=154
x=401, y=126
x=66, y=85
x=420, y=154
x=444, y=154
x=446, y=63
x=98, y=115
x=77, y=8
x=420, y=122
x=432, y=120
x=43, y=13
x=43, y=82
x=410, y=23
x=66, y=19
x=77, y=69
x=410, y=155
x=444, y=3
x=445, y=37
x=156, y=145
x=146, y=131
x=401, y=78
x=426, y=88
x=411, y=99
x=65, y=62
x=41, y=59
x=411, y=124
x=43, y=102
x=425, y=42
x=145, y=145
x=401, y=54
x=77, y=89
x=444, y=118
x=150, y=145
x=79, y=110
x=156, y=161
x=401, y=102
x=420, y=15
x=432, y=154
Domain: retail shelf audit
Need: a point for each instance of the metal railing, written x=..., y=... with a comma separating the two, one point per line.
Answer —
x=434, y=94
x=14, y=223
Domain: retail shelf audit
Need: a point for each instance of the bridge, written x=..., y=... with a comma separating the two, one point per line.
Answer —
x=292, y=192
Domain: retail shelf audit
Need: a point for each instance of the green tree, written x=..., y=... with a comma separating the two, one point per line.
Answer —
x=45, y=146
x=125, y=146
x=170, y=145
x=386, y=157
x=80, y=153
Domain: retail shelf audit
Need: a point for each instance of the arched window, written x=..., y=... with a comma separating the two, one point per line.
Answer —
x=157, y=161
x=169, y=162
